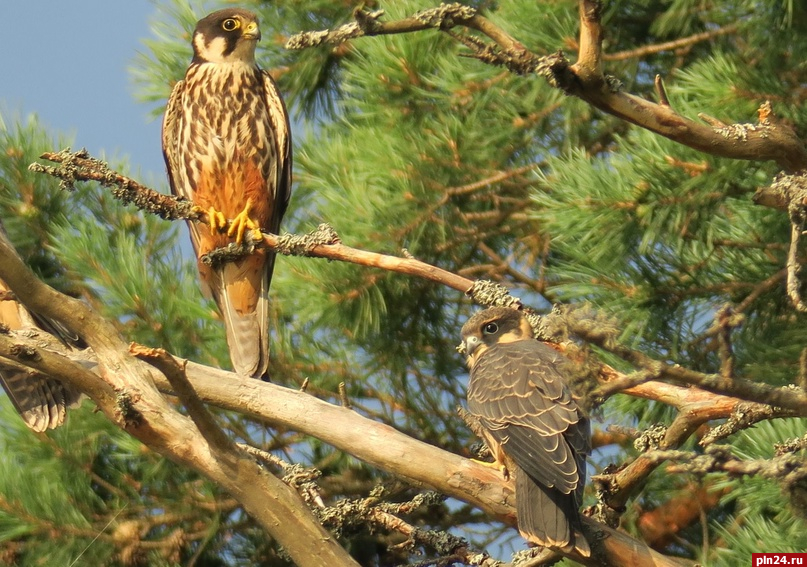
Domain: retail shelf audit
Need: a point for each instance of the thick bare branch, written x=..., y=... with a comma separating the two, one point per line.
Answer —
x=126, y=393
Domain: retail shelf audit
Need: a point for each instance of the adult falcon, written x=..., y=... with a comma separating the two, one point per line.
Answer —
x=227, y=148
x=531, y=423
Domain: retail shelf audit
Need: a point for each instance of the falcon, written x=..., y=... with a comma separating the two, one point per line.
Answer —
x=531, y=424
x=227, y=148
x=41, y=400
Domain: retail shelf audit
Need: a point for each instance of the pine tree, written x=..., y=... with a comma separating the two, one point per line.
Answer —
x=403, y=142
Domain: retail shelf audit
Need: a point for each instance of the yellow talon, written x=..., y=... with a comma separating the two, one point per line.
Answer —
x=216, y=220
x=241, y=223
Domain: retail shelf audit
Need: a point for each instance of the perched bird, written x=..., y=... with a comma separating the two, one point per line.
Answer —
x=40, y=400
x=227, y=148
x=531, y=423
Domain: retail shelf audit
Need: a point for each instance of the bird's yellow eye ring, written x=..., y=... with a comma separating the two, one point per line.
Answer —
x=490, y=328
x=230, y=24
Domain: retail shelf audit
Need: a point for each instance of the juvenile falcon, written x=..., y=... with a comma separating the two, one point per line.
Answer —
x=227, y=148
x=531, y=424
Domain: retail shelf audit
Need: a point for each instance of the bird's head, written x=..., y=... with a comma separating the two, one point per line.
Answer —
x=492, y=326
x=226, y=36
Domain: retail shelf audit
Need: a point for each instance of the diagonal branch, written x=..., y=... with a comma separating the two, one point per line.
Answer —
x=765, y=140
x=673, y=45
x=789, y=397
x=174, y=371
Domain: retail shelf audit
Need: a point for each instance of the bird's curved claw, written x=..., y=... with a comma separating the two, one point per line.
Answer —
x=216, y=221
x=241, y=223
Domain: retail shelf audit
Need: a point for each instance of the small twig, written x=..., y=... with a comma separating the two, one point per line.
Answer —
x=791, y=446
x=671, y=45
x=265, y=456
x=786, y=468
x=712, y=121
x=744, y=416
x=343, y=397
x=793, y=286
x=725, y=321
x=760, y=288
x=298, y=477
x=304, y=385
x=661, y=91
x=372, y=510
x=801, y=380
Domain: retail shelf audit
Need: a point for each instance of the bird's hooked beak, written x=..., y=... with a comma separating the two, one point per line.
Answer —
x=471, y=344
x=252, y=31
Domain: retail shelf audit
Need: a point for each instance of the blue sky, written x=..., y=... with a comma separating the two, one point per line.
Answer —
x=68, y=63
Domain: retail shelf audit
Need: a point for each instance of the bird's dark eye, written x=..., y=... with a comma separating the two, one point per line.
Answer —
x=490, y=328
x=230, y=24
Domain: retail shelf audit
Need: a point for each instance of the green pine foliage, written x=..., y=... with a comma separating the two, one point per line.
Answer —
x=403, y=143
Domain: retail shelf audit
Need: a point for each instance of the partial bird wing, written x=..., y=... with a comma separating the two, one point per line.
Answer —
x=172, y=123
x=280, y=119
x=40, y=400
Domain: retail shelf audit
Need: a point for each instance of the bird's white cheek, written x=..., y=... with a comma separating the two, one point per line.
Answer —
x=213, y=51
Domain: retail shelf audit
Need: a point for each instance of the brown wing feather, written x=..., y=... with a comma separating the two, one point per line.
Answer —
x=170, y=135
x=172, y=125
x=280, y=121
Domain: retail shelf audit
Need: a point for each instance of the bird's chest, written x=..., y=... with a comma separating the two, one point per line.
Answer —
x=225, y=117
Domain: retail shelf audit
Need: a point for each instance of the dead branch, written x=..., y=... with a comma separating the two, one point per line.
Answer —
x=676, y=44
x=763, y=141
x=174, y=371
x=124, y=390
x=446, y=16
x=785, y=468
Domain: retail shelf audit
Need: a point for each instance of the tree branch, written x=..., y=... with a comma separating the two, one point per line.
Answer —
x=582, y=324
x=765, y=140
x=377, y=444
x=320, y=243
x=126, y=393
x=673, y=45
